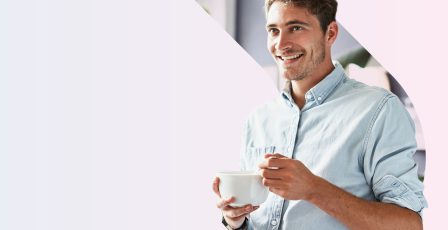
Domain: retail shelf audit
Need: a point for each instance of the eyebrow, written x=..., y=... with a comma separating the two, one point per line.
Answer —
x=293, y=22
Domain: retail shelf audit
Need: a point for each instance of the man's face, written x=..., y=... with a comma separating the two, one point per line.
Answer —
x=295, y=40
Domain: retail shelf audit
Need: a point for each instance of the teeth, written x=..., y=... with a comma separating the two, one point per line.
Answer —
x=290, y=57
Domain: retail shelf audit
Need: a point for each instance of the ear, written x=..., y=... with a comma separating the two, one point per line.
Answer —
x=332, y=32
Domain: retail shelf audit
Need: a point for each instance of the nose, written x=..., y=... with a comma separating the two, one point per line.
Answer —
x=283, y=43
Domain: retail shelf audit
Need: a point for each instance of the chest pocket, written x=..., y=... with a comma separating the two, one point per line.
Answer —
x=255, y=155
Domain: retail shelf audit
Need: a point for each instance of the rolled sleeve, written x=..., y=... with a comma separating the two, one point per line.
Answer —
x=389, y=166
x=392, y=190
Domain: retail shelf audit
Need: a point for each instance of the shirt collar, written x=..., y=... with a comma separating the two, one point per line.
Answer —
x=321, y=90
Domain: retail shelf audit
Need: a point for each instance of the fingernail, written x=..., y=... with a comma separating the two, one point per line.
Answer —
x=256, y=207
x=248, y=208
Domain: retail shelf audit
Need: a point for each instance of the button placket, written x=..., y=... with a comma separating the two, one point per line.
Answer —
x=272, y=214
x=275, y=216
x=293, y=133
x=274, y=221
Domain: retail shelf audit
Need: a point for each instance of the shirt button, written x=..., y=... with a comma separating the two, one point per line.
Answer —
x=274, y=222
x=319, y=98
x=308, y=96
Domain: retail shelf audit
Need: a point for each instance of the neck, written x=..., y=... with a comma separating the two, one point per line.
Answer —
x=300, y=87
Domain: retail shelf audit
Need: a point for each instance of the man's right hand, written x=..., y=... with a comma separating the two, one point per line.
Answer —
x=234, y=216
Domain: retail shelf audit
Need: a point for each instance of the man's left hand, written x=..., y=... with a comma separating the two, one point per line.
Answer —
x=287, y=177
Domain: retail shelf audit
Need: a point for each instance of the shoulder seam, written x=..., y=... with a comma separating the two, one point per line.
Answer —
x=384, y=100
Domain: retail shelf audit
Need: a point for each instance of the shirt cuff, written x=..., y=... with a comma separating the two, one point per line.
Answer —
x=392, y=190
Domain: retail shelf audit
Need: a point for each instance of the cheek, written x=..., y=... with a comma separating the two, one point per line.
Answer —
x=303, y=42
x=270, y=46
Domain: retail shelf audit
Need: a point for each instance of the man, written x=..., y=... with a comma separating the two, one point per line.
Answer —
x=335, y=153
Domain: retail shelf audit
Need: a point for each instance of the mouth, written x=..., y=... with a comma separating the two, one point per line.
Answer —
x=289, y=59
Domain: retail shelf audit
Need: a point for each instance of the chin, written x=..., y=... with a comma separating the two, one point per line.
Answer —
x=292, y=76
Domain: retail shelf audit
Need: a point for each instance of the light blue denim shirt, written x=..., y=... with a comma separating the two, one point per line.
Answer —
x=359, y=138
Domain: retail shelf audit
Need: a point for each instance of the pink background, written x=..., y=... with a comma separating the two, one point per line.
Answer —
x=407, y=37
x=117, y=114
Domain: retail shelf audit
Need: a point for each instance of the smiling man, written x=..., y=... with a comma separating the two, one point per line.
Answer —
x=335, y=153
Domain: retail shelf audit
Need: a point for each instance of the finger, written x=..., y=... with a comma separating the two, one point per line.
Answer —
x=274, y=163
x=276, y=191
x=274, y=183
x=216, y=186
x=240, y=216
x=232, y=212
x=225, y=202
x=271, y=173
x=277, y=155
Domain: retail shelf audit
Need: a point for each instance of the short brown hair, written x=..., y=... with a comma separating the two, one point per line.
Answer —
x=324, y=10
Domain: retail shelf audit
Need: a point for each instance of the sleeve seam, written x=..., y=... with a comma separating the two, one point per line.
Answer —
x=367, y=136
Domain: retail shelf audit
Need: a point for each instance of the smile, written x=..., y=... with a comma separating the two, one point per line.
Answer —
x=290, y=59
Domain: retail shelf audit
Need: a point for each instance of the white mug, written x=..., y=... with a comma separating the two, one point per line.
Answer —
x=245, y=186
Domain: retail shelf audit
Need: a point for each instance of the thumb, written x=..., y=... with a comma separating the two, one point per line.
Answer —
x=274, y=155
x=215, y=186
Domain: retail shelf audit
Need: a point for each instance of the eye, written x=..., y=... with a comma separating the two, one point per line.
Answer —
x=296, y=28
x=273, y=31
